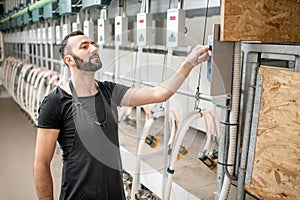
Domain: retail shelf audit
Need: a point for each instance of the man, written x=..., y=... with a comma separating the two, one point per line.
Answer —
x=82, y=116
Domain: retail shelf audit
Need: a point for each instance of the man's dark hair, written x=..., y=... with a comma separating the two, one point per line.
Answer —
x=64, y=42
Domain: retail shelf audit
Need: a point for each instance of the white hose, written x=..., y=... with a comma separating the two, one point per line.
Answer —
x=20, y=78
x=172, y=132
x=16, y=81
x=52, y=83
x=174, y=120
x=31, y=88
x=216, y=122
x=11, y=74
x=42, y=88
x=5, y=72
x=233, y=119
x=184, y=126
x=25, y=71
x=32, y=102
x=9, y=64
x=1, y=47
x=145, y=132
x=27, y=89
x=208, y=129
x=187, y=121
x=40, y=93
x=13, y=79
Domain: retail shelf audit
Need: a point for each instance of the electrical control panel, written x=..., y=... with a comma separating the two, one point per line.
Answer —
x=103, y=30
x=26, y=19
x=14, y=23
x=65, y=6
x=91, y=3
x=20, y=21
x=175, y=28
x=88, y=29
x=121, y=30
x=36, y=15
x=48, y=11
x=57, y=34
x=221, y=64
x=145, y=31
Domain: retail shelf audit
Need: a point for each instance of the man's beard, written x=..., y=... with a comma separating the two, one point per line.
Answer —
x=87, y=65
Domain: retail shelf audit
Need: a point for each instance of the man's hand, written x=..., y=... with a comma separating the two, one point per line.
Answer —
x=198, y=54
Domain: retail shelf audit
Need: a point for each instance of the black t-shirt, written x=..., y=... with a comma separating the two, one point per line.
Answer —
x=56, y=112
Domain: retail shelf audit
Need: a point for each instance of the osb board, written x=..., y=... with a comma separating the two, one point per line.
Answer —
x=260, y=20
x=276, y=169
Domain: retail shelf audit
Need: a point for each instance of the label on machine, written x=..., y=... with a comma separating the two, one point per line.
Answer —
x=88, y=29
x=175, y=28
x=145, y=32
x=121, y=29
x=103, y=31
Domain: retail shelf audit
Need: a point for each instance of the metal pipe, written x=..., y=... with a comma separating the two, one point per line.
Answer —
x=166, y=122
x=117, y=64
x=41, y=46
x=51, y=47
x=36, y=47
x=220, y=170
x=247, y=130
x=151, y=84
x=180, y=4
x=46, y=46
x=148, y=6
x=138, y=108
x=30, y=8
x=297, y=64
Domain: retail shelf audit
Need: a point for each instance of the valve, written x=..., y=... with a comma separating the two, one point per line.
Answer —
x=214, y=154
x=152, y=141
x=211, y=164
x=183, y=151
x=128, y=120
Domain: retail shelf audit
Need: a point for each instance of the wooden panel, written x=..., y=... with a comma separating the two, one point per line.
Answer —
x=276, y=169
x=260, y=20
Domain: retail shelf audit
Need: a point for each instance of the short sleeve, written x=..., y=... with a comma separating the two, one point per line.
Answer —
x=49, y=114
x=117, y=91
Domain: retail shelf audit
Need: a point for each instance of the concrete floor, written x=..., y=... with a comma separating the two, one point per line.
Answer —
x=17, y=143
